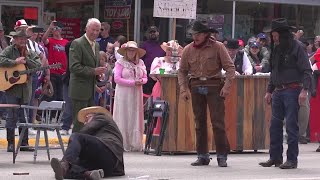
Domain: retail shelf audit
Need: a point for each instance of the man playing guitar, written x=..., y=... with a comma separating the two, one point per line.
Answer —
x=19, y=93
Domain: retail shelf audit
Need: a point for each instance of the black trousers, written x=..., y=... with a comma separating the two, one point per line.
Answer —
x=87, y=153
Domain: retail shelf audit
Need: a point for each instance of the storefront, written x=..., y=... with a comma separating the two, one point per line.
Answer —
x=239, y=18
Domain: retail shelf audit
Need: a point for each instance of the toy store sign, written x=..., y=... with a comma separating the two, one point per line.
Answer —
x=117, y=9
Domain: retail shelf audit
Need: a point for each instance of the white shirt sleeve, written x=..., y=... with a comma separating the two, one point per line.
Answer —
x=116, y=54
x=246, y=66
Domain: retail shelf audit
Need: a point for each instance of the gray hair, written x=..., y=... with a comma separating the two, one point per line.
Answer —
x=92, y=21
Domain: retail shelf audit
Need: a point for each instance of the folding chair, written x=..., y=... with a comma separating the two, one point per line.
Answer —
x=51, y=114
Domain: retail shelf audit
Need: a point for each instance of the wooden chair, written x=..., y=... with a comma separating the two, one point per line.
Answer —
x=51, y=115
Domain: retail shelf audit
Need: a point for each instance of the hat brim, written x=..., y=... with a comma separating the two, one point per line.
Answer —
x=20, y=36
x=92, y=110
x=269, y=30
x=141, y=52
x=204, y=31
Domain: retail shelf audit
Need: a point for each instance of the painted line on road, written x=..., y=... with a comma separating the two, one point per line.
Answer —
x=300, y=178
x=51, y=141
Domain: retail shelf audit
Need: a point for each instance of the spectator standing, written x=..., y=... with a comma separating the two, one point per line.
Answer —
x=153, y=50
x=104, y=37
x=56, y=54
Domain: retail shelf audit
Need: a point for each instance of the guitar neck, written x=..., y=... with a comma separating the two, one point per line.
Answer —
x=30, y=71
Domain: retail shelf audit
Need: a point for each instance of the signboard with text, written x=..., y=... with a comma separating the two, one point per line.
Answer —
x=71, y=29
x=117, y=9
x=184, y=9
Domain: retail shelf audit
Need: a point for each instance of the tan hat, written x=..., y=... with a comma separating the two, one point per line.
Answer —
x=92, y=110
x=20, y=33
x=131, y=44
x=170, y=44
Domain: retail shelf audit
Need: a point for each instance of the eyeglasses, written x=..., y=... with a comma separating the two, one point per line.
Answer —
x=101, y=29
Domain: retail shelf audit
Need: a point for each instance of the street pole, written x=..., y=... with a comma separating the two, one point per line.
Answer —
x=137, y=15
x=233, y=19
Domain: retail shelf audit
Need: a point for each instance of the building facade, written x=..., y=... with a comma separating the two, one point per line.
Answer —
x=238, y=18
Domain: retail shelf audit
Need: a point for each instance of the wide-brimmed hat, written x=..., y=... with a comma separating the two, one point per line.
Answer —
x=20, y=23
x=20, y=33
x=279, y=24
x=92, y=110
x=131, y=44
x=170, y=45
x=233, y=44
x=202, y=27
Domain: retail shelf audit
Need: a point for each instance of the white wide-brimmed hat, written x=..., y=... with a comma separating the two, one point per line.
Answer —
x=131, y=44
x=92, y=110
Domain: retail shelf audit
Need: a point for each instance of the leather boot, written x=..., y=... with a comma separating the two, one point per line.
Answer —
x=289, y=165
x=318, y=149
x=201, y=162
x=60, y=168
x=222, y=162
x=10, y=139
x=270, y=163
x=94, y=175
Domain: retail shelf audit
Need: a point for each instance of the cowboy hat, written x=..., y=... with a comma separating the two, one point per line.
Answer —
x=92, y=110
x=20, y=33
x=202, y=27
x=278, y=25
x=131, y=44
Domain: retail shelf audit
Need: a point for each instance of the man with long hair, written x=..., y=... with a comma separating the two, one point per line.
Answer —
x=290, y=80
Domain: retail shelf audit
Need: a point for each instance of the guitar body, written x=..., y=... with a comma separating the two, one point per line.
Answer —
x=10, y=76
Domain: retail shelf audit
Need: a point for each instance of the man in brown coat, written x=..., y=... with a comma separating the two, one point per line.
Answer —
x=95, y=152
x=204, y=59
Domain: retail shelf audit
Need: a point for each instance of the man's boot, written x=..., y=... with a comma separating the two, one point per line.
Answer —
x=10, y=139
x=270, y=163
x=60, y=168
x=24, y=142
x=94, y=175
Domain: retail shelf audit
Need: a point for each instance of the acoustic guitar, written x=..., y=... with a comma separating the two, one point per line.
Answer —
x=18, y=74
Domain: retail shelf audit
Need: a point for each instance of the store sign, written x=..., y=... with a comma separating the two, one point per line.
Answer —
x=301, y=2
x=71, y=29
x=184, y=9
x=117, y=9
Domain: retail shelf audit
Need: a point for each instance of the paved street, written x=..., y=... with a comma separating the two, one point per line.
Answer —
x=242, y=166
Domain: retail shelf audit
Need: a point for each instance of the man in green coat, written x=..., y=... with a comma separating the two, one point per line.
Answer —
x=84, y=62
x=19, y=93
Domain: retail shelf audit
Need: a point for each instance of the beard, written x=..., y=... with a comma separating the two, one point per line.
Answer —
x=153, y=37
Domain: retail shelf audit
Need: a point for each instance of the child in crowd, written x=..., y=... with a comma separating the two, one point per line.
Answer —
x=103, y=81
x=111, y=59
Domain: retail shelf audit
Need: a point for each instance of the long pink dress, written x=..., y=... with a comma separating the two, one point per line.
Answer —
x=128, y=103
x=157, y=63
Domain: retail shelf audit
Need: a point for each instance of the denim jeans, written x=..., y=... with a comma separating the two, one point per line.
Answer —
x=11, y=122
x=57, y=84
x=3, y=111
x=85, y=153
x=67, y=114
x=284, y=105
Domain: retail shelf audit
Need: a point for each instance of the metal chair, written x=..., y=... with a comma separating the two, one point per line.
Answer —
x=51, y=115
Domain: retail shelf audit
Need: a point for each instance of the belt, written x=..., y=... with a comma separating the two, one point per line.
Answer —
x=204, y=81
x=289, y=86
x=206, y=78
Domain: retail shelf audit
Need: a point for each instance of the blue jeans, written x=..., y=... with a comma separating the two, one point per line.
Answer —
x=2, y=101
x=67, y=114
x=284, y=105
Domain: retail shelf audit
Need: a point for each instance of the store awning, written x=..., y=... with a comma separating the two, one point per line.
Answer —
x=298, y=2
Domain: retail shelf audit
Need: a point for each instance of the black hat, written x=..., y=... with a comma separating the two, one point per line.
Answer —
x=202, y=27
x=152, y=29
x=233, y=44
x=279, y=24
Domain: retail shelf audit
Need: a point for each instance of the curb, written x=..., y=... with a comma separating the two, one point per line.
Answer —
x=52, y=141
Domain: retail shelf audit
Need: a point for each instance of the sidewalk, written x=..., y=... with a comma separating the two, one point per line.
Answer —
x=52, y=136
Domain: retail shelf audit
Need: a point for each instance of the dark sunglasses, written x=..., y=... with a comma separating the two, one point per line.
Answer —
x=101, y=29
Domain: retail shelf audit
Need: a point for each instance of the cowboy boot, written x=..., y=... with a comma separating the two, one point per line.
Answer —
x=270, y=163
x=10, y=139
x=60, y=168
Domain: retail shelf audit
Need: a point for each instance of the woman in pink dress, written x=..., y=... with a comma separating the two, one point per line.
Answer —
x=130, y=74
x=166, y=64
x=315, y=106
